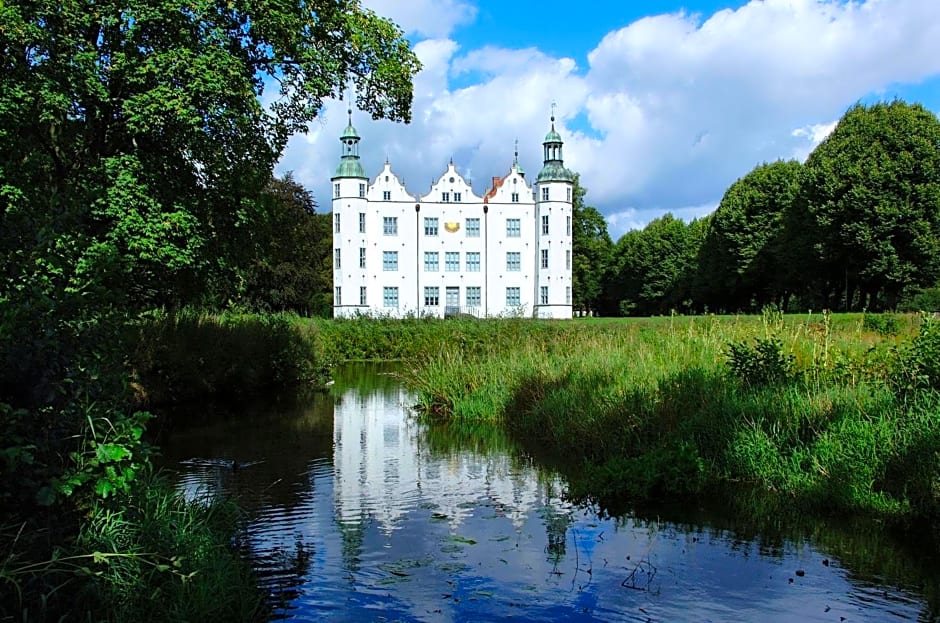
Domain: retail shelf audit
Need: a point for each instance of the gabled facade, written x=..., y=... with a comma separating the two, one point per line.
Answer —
x=451, y=251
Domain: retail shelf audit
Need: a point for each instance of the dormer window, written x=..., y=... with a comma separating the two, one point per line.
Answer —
x=457, y=197
x=515, y=197
x=386, y=195
x=445, y=197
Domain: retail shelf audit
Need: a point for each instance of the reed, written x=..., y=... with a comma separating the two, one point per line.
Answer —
x=814, y=408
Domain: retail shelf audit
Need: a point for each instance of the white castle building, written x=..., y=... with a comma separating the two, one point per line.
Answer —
x=452, y=251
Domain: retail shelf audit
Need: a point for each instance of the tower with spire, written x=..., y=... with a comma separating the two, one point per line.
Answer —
x=554, y=209
x=450, y=251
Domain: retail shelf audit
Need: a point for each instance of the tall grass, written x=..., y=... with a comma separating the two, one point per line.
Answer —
x=679, y=407
x=148, y=556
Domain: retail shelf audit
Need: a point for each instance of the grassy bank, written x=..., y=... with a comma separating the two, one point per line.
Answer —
x=833, y=413
x=143, y=555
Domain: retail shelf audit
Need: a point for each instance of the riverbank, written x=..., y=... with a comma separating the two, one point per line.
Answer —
x=830, y=413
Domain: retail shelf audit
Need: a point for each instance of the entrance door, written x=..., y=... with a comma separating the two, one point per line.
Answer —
x=452, y=301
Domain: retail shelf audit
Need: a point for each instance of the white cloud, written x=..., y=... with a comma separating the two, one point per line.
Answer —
x=670, y=110
x=814, y=135
x=428, y=18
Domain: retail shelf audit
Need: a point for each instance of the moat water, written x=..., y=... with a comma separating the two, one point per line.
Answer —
x=358, y=512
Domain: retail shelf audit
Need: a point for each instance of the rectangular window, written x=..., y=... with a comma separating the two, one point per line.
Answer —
x=336, y=223
x=513, y=229
x=543, y=295
x=445, y=197
x=386, y=195
x=362, y=257
x=432, y=296
x=338, y=296
x=473, y=296
x=431, y=264
x=457, y=197
x=362, y=191
x=473, y=228
x=390, y=225
x=336, y=191
x=390, y=296
x=544, y=258
x=513, y=261
x=336, y=258
x=430, y=225
x=473, y=262
x=569, y=195
x=545, y=225
x=568, y=295
x=545, y=193
x=390, y=261
x=362, y=222
x=568, y=259
x=362, y=295
x=452, y=262
x=512, y=297
x=515, y=197
x=568, y=225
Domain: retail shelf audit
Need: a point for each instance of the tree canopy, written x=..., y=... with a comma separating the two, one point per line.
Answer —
x=135, y=138
x=591, y=251
x=871, y=193
x=741, y=260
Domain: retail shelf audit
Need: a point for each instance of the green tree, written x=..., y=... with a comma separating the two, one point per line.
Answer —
x=741, y=258
x=292, y=265
x=654, y=267
x=591, y=252
x=870, y=196
x=137, y=139
x=134, y=138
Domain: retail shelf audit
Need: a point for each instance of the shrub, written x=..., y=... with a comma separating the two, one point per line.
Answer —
x=762, y=364
x=882, y=324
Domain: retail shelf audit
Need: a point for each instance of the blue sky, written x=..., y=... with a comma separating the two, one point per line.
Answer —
x=661, y=104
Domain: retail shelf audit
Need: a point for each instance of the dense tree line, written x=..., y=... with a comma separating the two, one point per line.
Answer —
x=857, y=226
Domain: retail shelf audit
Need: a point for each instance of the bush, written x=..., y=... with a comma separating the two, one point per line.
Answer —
x=926, y=300
x=762, y=364
x=882, y=324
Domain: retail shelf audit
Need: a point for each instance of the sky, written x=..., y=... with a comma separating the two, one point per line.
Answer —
x=662, y=104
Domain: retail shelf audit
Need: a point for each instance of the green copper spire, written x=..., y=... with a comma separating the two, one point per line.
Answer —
x=554, y=168
x=349, y=165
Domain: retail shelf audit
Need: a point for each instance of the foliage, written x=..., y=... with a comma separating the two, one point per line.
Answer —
x=927, y=300
x=644, y=409
x=292, y=262
x=764, y=363
x=741, y=258
x=591, y=250
x=153, y=556
x=856, y=227
x=654, y=267
x=137, y=142
x=885, y=324
x=871, y=192
x=190, y=355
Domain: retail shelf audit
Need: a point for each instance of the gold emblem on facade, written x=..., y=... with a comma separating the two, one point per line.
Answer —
x=451, y=226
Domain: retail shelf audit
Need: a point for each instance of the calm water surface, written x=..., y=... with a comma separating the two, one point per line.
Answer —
x=359, y=513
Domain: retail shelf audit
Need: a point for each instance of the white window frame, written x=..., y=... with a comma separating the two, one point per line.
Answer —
x=389, y=261
x=473, y=227
x=473, y=261
x=432, y=262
